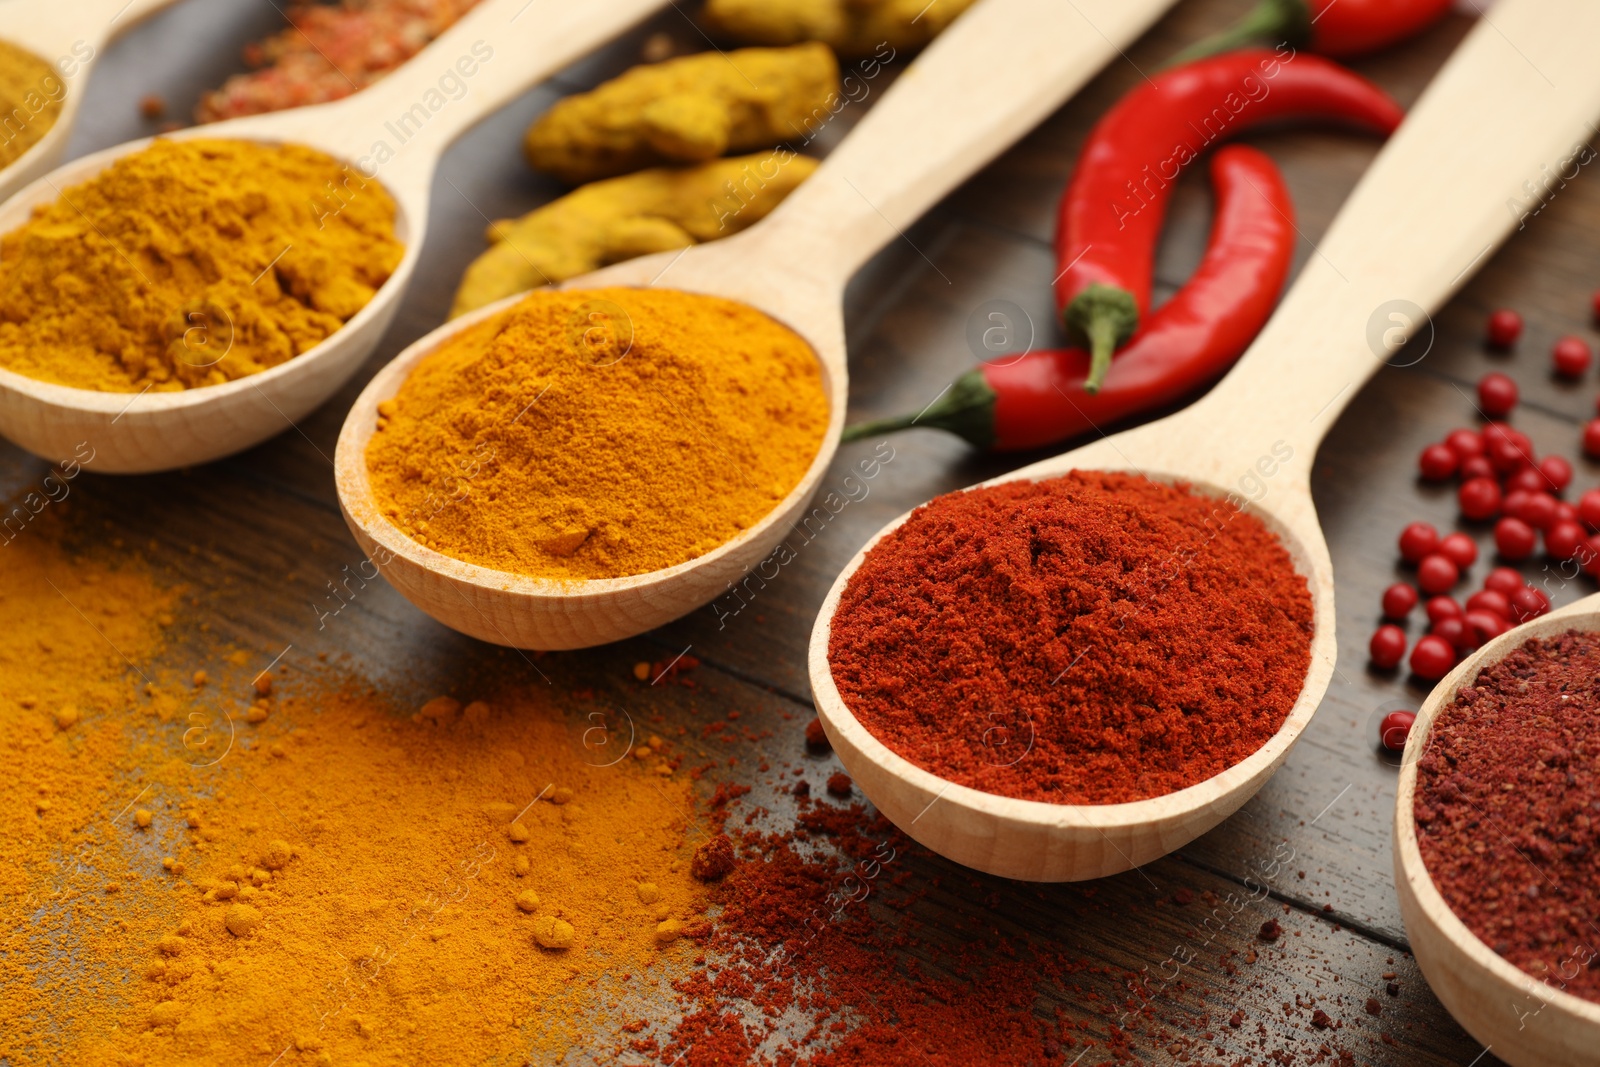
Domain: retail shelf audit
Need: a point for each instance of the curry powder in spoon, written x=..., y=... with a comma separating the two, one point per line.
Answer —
x=192, y=263
x=599, y=433
x=30, y=101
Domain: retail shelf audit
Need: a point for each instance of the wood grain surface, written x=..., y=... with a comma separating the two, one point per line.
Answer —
x=260, y=533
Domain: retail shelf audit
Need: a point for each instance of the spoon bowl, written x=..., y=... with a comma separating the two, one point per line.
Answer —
x=160, y=430
x=975, y=90
x=526, y=612
x=151, y=431
x=1037, y=841
x=1527, y=1022
x=1398, y=248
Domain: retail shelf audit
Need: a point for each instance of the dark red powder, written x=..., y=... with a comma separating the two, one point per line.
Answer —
x=796, y=941
x=1091, y=639
x=817, y=737
x=713, y=860
x=828, y=945
x=1506, y=808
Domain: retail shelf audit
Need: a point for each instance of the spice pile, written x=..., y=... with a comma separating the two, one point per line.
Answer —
x=803, y=974
x=197, y=868
x=1090, y=639
x=599, y=433
x=329, y=52
x=1504, y=794
x=30, y=100
x=192, y=263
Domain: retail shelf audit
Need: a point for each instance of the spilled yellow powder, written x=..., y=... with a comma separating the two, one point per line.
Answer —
x=30, y=101
x=78, y=632
x=352, y=886
x=599, y=433
x=336, y=880
x=192, y=263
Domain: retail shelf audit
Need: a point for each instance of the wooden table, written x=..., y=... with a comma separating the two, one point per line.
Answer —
x=260, y=533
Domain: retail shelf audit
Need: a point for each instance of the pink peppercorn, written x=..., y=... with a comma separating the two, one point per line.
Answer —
x=1505, y=326
x=1395, y=728
x=1440, y=608
x=1497, y=394
x=1387, y=647
x=1417, y=540
x=1398, y=600
x=1437, y=573
x=1461, y=549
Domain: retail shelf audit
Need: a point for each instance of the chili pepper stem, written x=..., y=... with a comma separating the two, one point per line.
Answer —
x=1103, y=317
x=1102, y=346
x=966, y=409
x=1270, y=21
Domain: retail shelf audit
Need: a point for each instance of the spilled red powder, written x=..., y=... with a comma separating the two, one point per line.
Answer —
x=805, y=974
x=1505, y=802
x=1090, y=639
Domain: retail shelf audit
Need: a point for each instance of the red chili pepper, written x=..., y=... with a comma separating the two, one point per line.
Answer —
x=1342, y=28
x=1112, y=210
x=1017, y=402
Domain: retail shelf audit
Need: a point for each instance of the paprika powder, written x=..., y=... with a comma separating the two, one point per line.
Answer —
x=1505, y=789
x=1095, y=638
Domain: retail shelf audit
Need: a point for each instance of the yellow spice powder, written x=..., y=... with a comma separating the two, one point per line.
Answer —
x=201, y=867
x=192, y=263
x=30, y=101
x=599, y=433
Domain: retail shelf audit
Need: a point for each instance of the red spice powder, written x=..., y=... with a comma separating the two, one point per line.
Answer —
x=839, y=943
x=1506, y=794
x=805, y=975
x=1091, y=639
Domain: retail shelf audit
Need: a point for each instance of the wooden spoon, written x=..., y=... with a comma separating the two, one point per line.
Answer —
x=1520, y=92
x=1527, y=1022
x=506, y=45
x=988, y=79
x=56, y=33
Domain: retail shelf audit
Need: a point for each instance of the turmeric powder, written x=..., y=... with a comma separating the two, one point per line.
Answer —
x=606, y=222
x=192, y=263
x=30, y=101
x=599, y=433
x=853, y=28
x=684, y=110
x=339, y=883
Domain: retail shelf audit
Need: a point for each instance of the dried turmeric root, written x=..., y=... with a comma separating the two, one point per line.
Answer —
x=609, y=221
x=685, y=110
x=853, y=28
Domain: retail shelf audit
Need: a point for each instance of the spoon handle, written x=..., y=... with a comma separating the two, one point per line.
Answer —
x=494, y=53
x=1497, y=133
x=994, y=74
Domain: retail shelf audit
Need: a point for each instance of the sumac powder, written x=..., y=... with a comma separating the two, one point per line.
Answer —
x=1507, y=803
x=1090, y=639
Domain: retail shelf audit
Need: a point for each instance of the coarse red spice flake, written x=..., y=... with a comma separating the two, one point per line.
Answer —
x=1506, y=802
x=807, y=976
x=714, y=859
x=1091, y=639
